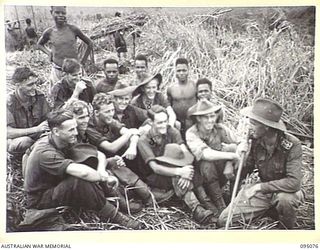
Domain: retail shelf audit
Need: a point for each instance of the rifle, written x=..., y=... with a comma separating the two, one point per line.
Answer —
x=235, y=187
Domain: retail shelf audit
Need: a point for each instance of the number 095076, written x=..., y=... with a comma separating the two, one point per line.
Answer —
x=309, y=246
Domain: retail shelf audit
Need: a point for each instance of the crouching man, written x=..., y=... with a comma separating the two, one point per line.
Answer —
x=167, y=163
x=277, y=156
x=52, y=179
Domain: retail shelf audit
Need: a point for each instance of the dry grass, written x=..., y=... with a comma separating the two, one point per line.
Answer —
x=244, y=62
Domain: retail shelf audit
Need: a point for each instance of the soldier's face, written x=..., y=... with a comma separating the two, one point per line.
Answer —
x=208, y=121
x=182, y=72
x=160, y=123
x=151, y=88
x=111, y=72
x=258, y=129
x=67, y=131
x=59, y=14
x=204, y=92
x=122, y=102
x=28, y=86
x=82, y=119
x=106, y=113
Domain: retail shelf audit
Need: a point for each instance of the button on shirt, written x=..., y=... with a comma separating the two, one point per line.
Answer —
x=151, y=145
x=159, y=99
x=97, y=133
x=280, y=169
x=198, y=141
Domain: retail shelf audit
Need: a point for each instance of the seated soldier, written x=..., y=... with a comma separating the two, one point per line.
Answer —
x=214, y=147
x=27, y=109
x=115, y=164
x=52, y=179
x=131, y=116
x=111, y=72
x=276, y=157
x=167, y=163
x=72, y=85
x=111, y=137
x=148, y=94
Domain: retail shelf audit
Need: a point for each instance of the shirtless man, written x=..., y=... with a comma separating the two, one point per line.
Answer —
x=63, y=42
x=182, y=94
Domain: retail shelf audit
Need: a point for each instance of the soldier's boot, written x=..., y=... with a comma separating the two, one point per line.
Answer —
x=199, y=213
x=134, y=206
x=205, y=200
x=215, y=194
x=109, y=212
x=143, y=191
x=204, y=216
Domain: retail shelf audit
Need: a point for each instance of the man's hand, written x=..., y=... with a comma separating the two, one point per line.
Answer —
x=229, y=171
x=228, y=147
x=80, y=86
x=186, y=172
x=112, y=181
x=251, y=191
x=115, y=162
x=130, y=153
x=184, y=183
x=43, y=126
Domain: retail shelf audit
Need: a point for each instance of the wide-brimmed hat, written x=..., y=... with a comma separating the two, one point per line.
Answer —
x=84, y=153
x=174, y=155
x=266, y=111
x=203, y=107
x=121, y=89
x=147, y=79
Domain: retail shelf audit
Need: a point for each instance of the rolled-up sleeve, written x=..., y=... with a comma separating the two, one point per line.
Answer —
x=195, y=143
x=292, y=182
x=145, y=149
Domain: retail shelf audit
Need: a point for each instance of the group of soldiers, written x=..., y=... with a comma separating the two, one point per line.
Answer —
x=99, y=140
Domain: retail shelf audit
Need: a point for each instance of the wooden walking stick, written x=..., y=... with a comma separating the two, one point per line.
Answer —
x=234, y=191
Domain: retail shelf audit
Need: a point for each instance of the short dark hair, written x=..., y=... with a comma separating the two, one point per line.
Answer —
x=28, y=21
x=141, y=57
x=182, y=60
x=77, y=106
x=57, y=117
x=156, y=109
x=101, y=99
x=204, y=81
x=110, y=61
x=22, y=73
x=52, y=7
x=70, y=65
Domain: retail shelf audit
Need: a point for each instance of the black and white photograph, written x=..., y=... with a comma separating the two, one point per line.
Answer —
x=159, y=118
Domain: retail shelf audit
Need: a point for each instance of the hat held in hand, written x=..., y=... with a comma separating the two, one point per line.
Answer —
x=84, y=153
x=267, y=112
x=174, y=155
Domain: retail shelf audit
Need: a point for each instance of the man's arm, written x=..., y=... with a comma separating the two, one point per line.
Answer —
x=19, y=132
x=172, y=116
x=183, y=172
x=43, y=40
x=85, y=172
x=203, y=152
x=87, y=41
